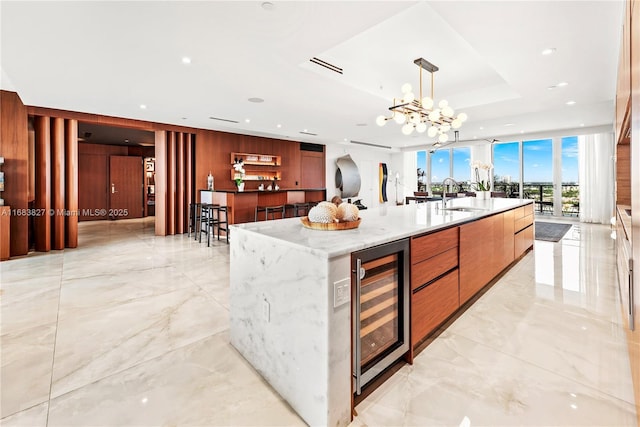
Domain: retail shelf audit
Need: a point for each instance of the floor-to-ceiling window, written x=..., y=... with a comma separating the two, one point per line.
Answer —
x=569, y=176
x=506, y=168
x=434, y=167
x=461, y=165
x=537, y=177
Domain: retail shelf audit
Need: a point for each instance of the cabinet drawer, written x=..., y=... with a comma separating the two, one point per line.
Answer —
x=432, y=305
x=523, y=240
x=528, y=209
x=424, y=247
x=433, y=267
x=524, y=222
x=518, y=212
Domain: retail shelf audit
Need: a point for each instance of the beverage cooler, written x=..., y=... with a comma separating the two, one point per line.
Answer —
x=380, y=305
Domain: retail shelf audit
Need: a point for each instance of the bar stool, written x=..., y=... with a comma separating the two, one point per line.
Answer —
x=296, y=208
x=195, y=210
x=207, y=221
x=273, y=210
x=219, y=223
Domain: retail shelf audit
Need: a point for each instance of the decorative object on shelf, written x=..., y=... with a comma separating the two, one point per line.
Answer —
x=480, y=185
x=238, y=176
x=209, y=181
x=420, y=114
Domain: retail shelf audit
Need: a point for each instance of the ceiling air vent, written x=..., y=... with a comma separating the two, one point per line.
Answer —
x=370, y=144
x=223, y=120
x=326, y=65
x=308, y=133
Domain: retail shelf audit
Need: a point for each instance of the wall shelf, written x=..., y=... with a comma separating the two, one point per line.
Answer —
x=258, y=167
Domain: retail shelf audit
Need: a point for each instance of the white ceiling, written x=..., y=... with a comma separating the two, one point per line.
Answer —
x=111, y=57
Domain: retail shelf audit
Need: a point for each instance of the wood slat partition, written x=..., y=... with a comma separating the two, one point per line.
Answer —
x=14, y=148
x=180, y=169
x=171, y=183
x=161, y=183
x=57, y=183
x=42, y=202
x=71, y=179
x=189, y=169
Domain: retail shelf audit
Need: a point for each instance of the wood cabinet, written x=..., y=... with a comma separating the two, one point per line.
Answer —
x=258, y=167
x=523, y=230
x=623, y=89
x=434, y=282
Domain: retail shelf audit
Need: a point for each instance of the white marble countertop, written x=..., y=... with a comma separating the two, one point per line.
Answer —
x=379, y=225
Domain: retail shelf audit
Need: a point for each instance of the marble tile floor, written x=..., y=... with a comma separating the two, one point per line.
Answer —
x=130, y=329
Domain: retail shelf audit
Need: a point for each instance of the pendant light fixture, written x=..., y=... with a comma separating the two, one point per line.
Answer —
x=421, y=114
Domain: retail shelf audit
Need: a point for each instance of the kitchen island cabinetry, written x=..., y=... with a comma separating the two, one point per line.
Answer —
x=290, y=291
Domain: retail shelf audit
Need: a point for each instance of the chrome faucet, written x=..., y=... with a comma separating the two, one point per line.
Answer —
x=444, y=189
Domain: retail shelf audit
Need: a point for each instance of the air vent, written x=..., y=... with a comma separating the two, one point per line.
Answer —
x=326, y=65
x=223, y=120
x=370, y=144
x=305, y=146
x=308, y=133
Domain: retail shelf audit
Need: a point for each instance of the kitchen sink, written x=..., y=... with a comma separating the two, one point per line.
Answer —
x=463, y=209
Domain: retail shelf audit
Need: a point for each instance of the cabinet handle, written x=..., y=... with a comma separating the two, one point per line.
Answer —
x=113, y=188
x=357, y=353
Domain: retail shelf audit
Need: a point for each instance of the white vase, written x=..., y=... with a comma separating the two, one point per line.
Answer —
x=241, y=186
x=482, y=195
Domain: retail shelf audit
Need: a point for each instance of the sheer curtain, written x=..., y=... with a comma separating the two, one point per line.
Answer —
x=597, y=177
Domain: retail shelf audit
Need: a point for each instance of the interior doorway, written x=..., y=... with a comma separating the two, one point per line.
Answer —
x=113, y=169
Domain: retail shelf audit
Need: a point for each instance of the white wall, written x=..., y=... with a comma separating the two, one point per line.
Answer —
x=368, y=160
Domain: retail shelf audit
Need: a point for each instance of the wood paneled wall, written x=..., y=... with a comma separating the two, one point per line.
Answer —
x=14, y=149
x=623, y=174
x=213, y=154
x=56, y=183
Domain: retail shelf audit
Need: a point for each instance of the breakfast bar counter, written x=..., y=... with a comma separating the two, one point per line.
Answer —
x=286, y=318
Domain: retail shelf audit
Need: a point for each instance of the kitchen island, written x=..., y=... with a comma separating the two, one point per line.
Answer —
x=286, y=319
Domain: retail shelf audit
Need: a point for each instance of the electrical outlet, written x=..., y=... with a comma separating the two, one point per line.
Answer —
x=266, y=308
x=341, y=292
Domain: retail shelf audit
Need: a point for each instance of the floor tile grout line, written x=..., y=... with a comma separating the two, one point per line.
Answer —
x=55, y=340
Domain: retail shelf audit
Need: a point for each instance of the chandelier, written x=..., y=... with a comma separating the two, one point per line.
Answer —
x=421, y=114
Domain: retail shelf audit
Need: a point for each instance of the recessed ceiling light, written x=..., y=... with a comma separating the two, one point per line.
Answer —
x=549, y=51
x=345, y=139
x=305, y=130
x=143, y=107
x=256, y=100
x=267, y=5
x=562, y=84
x=247, y=120
x=581, y=124
x=509, y=124
x=126, y=140
x=571, y=102
x=481, y=127
x=475, y=137
x=278, y=125
x=521, y=131
x=186, y=60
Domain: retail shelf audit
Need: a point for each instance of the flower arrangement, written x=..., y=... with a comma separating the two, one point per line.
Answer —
x=480, y=184
x=238, y=165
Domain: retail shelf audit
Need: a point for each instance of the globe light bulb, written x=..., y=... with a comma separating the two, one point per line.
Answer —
x=408, y=97
x=443, y=138
x=427, y=103
x=445, y=128
x=421, y=127
x=381, y=120
x=434, y=115
x=462, y=117
x=407, y=129
x=399, y=118
x=443, y=103
x=406, y=88
x=447, y=111
x=433, y=131
x=456, y=123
